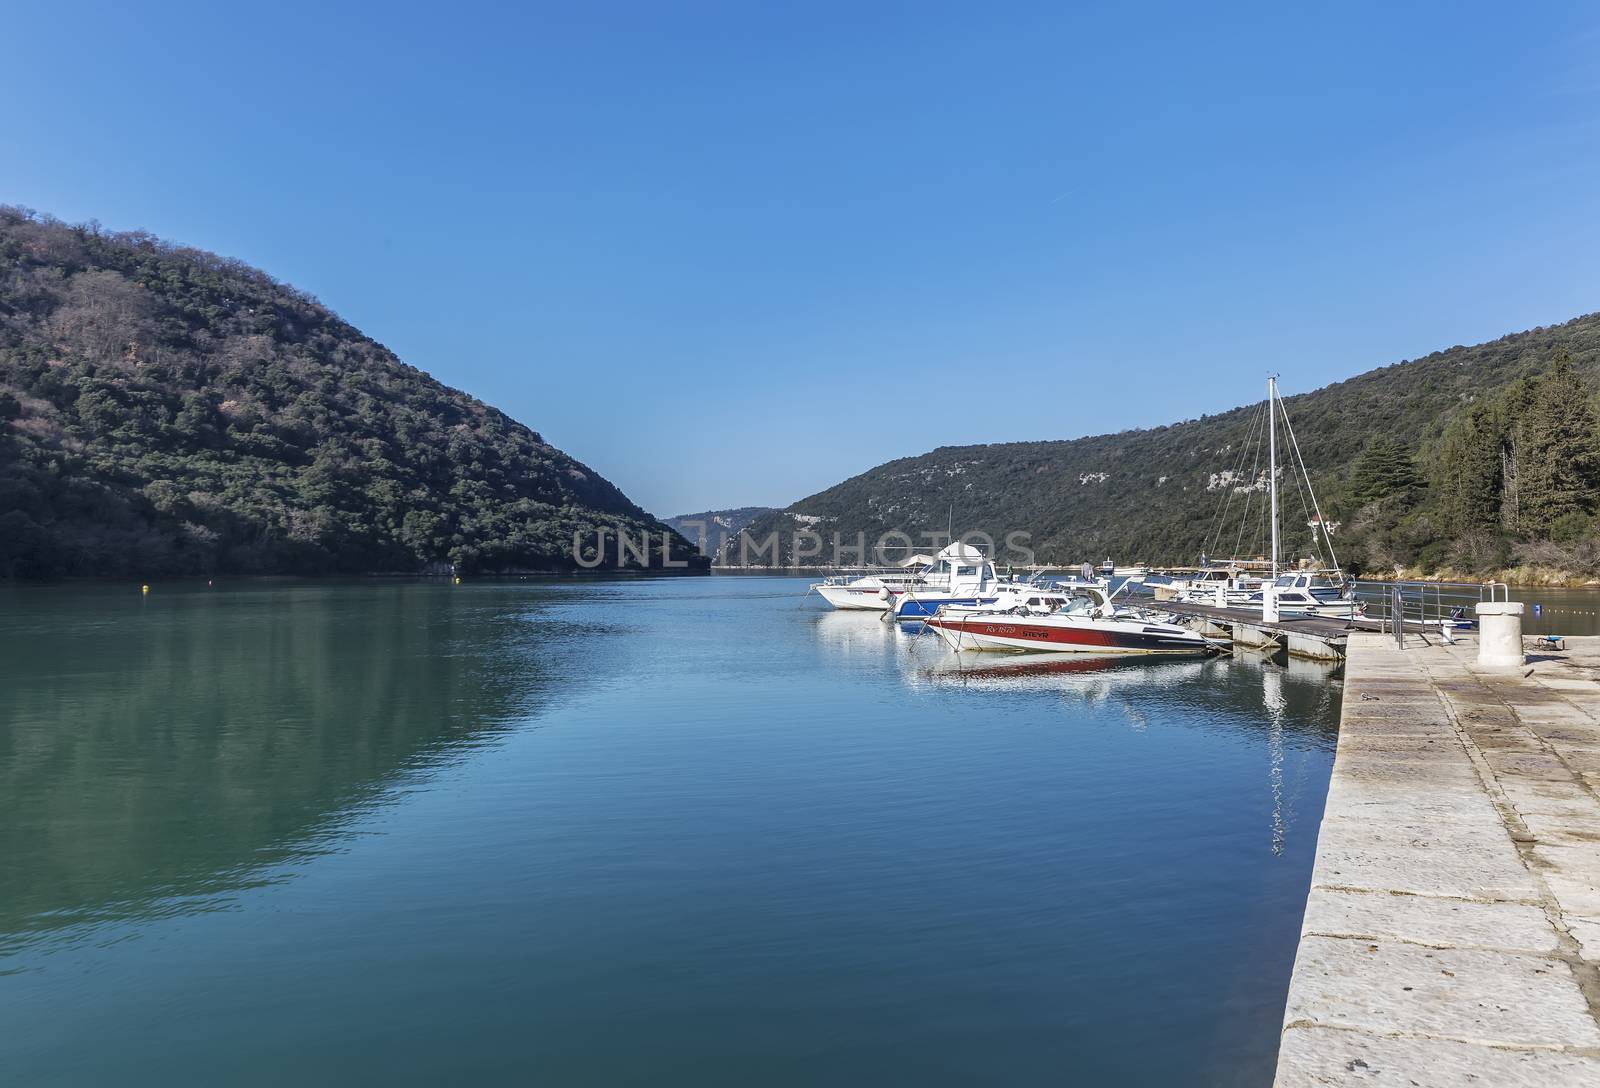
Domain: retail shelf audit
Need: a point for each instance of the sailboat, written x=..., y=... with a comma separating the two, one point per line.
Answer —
x=1276, y=592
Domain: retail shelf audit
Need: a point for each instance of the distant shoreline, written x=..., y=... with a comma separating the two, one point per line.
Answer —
x=1516, y=578
x=366, y=576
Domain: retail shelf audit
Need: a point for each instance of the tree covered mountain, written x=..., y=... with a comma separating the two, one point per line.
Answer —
x=164, y=410
x=1425, y=464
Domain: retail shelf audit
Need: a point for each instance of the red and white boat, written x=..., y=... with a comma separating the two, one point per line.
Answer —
x=1088, y=625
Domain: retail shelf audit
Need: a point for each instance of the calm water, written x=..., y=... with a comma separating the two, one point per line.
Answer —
x=1559, y=611
x=692, y=832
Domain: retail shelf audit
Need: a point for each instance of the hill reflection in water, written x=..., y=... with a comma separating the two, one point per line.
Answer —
x=160, y=755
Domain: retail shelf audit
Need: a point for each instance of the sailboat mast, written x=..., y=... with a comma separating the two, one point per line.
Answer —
x=1272, y=465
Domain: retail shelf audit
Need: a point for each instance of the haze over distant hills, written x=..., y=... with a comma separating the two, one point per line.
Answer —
x=166, y=411
x=709, y=528
x=1155, y=495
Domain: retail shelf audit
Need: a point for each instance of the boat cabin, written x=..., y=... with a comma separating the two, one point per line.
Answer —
x=960, y=565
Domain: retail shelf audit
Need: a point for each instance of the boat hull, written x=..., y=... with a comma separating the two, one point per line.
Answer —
x=921, y=607
x=991, y=632
x=857, y=598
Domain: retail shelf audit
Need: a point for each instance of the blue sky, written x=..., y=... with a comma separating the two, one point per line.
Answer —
x=732, y=254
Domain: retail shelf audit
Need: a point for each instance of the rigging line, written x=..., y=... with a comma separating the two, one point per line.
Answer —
x=1306, y=511
x=1228, y=484
x=1301, y=488
x=1252, y=440
x=1261, y=524
x=1266, y=474
x=1244, y=514
x=1219, y=519
x=1249, y=495
x=1295, y=444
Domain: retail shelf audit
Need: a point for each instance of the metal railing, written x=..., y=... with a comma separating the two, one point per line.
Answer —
x=1425, y=606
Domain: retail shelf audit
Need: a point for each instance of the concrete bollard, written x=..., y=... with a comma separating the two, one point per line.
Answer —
x=1500, y=634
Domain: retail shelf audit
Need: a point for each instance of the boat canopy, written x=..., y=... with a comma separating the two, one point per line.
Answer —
x=962, y=553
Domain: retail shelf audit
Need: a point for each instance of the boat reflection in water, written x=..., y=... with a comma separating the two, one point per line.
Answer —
x=1092, y=676
x=1287, y=706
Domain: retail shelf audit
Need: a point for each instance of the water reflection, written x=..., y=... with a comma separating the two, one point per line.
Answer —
x=749, y=822
x=159, y=757
x=853, y=633
x=1093, y=676
x=1288, y=702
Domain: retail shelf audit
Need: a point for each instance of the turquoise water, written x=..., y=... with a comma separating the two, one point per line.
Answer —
x=680, y=831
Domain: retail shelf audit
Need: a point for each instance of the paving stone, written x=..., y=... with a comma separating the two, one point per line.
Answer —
x=1466, y=994
x=1507, y=741
x=1580, y=760
x=1546, y=768
x=1576, y=887
x=1461, y=981
x=1445, y=745
x=1390, y=727
x=1551, y=798
x=1322, y=1057
x=1423, y=871
x=1587, y=933
x=1430, y=920
x=1460, y=810
x=1447, y=762
x=1568, y=829
x=1400, y=828
x=1441, y=776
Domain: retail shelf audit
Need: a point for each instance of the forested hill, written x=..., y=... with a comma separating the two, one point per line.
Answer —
x=164, y=410
x=1386, y=451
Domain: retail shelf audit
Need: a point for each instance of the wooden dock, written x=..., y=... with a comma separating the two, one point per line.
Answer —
x=1316, y=637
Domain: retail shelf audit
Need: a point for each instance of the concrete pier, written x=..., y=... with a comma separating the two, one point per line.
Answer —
x=1452, y=932
x=1256, y=636
x=1314, y=637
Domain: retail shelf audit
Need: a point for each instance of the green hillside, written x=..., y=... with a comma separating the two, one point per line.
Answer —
x=164, y=411
x=1157, y=495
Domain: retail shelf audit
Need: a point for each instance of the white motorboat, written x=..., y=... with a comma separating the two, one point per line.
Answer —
x=1008, y=596
x=870, y=592
x=1307, y=593
x=1203, y=586
x=1089, y=623
x=962, y=575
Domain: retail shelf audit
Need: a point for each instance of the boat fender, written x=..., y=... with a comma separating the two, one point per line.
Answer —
x=883, y=593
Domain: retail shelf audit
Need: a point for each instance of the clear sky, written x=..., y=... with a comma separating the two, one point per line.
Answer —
x=732, y=254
